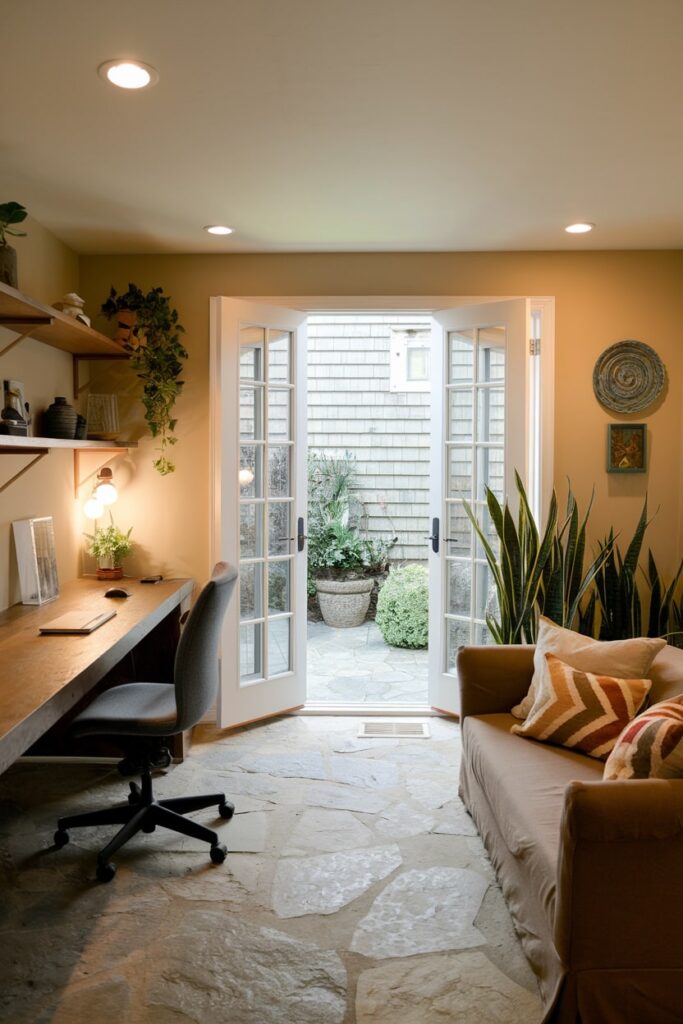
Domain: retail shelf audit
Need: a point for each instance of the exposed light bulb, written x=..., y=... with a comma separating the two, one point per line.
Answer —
x=128, y=74
x=106, y=494
x=246, y=477
x=580, y=228
x=93, y=508
x=218, y=229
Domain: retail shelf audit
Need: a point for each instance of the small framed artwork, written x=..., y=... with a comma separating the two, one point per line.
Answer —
x=34, y=540
x=626, y=447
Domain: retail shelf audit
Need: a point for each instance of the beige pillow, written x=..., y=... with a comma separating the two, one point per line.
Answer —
x=651, y=746
x=625, y=659
x=582, y=710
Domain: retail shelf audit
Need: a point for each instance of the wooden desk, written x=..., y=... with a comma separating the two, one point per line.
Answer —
x=43, y=677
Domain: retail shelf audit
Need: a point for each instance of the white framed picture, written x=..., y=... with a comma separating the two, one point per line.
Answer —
x=34, y=540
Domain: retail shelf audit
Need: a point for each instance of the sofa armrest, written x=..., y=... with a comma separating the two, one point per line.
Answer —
x=493, y=679
x=619, y=883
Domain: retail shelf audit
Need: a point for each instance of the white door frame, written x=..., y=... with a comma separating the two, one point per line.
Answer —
x=311, y=304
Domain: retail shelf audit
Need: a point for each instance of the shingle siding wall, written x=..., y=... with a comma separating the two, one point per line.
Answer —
x=351, y=408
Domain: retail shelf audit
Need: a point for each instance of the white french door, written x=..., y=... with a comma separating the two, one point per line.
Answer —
x=479, y=439
x=258, y=395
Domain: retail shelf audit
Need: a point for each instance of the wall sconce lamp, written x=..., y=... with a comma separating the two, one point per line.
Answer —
x=246, y=477
x=103, y=495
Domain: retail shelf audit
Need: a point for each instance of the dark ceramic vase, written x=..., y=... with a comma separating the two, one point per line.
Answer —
x=8, y=265
x=60, y=420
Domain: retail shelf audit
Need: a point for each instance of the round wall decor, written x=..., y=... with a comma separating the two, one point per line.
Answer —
x=628, y=376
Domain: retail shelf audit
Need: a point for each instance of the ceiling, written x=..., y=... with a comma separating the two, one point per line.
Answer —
x=347, y=125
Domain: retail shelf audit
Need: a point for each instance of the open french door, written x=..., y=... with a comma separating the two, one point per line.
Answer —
x=479, y=439
x=258, y=374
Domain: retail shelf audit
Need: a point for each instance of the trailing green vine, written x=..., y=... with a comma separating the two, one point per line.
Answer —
x=156, y=354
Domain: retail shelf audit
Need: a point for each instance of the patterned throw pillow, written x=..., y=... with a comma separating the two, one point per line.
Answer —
x=580, y=710
x=650, y=747
x=628, y=659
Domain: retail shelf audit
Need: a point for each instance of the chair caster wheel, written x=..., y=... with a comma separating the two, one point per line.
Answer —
x=226, y=810
x=105, y=871
x=218, y=853
x=149, y=828
x=61, y=838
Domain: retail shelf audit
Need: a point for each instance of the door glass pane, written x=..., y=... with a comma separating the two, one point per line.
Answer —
x=250, y=471
x=490, y=468
x=251, y=662
x=251, y=530
x=251, y=591
x=491, y=362
x=484, y=519
x=457, y=635
x=459, y=530
x=279, y=414
x=459, y=415
x=491, y=415
x=482, y=637
x=459, y=472
x=486, y=595
x=252, y=340
x=278, y=471
x=279, y=659
x=461, y=357
x=459, y=586
x=278, y=587
x=279, y=357
x=251, y=414
x=279, y=527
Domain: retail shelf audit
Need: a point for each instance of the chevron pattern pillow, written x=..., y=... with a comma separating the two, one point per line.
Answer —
x=580, y=710
x=651, y=746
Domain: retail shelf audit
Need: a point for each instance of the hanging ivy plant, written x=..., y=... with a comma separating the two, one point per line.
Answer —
x=156, y=354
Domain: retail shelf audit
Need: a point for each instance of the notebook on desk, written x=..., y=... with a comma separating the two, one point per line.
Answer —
x=78, y=623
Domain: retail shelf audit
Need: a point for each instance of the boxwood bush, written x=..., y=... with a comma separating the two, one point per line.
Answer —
x=402, y=607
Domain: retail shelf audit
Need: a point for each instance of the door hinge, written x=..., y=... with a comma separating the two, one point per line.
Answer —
x=534, y=346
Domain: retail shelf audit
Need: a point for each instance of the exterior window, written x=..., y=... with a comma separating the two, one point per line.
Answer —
x=410, y=347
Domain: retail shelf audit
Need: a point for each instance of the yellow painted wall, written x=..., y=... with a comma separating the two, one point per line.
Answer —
x=47, y=269
x=601, y=297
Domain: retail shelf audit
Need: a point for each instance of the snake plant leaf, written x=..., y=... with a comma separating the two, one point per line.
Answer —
x=633, y=551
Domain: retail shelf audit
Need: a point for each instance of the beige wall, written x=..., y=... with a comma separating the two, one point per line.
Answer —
x=47, y=269
x=600, y=298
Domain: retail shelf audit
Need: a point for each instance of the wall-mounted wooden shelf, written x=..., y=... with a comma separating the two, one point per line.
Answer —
x=30, y=318
x=38, y=447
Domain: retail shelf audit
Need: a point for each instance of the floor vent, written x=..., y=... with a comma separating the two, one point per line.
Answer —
x=386, y=728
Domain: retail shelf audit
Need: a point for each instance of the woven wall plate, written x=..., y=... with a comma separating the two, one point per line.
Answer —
x=628, y=377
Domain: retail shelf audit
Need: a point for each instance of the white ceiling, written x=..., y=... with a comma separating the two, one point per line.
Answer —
x=359, y=125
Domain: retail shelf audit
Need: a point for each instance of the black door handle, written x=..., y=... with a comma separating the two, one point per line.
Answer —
x=300, y=535
x=434, y=536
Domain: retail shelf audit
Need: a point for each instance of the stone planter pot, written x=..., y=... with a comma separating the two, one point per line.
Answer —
x=344, y=603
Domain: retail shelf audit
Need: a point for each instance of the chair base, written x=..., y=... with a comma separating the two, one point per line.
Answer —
x=142, y=813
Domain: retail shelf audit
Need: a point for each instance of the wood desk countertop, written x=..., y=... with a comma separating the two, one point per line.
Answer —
x=42, y=677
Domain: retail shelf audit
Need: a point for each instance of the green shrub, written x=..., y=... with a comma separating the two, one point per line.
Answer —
x=403, y=607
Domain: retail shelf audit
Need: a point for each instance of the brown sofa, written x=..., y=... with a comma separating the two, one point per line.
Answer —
x=592, y=871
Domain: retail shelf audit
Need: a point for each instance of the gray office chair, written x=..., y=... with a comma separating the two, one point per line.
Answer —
x=151, y=711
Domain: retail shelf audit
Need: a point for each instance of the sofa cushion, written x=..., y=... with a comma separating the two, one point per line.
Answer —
x=650, y=747
x=581, y=710
x=626, y=659
x=524, y=785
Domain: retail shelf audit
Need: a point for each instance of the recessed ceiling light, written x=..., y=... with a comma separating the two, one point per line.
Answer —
x=128, y=74
x=218, y=229
x=582, y=228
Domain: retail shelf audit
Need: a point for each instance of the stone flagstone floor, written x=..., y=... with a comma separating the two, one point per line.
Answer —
x=356, y=666
x=355, y=890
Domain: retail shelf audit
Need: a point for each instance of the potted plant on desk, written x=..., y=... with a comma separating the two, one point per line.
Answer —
x=109, y=546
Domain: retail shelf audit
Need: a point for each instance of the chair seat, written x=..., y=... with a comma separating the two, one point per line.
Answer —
x=133, y=709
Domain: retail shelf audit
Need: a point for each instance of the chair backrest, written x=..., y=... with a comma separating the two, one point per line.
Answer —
x=196, y=661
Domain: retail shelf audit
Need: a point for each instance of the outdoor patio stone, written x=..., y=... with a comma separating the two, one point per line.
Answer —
x=423, y=911
x=463, y=987
x=327, y=830
x=349, y=798
x=323, y=884
x=242, y=972
x=401, y=820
